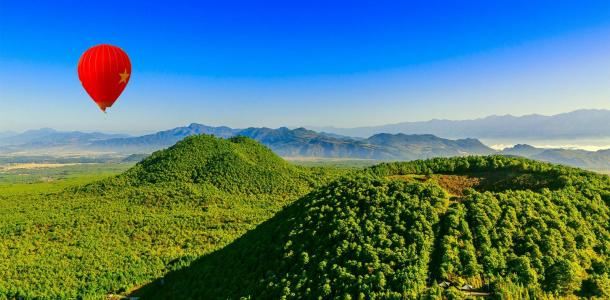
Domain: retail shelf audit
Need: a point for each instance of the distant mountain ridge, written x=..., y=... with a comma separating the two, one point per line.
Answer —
x=5, y=134
x=46, y=137
x=308, y=143
x=598, y=160
x=301, y=142
x=591, y=123
x=163, y=139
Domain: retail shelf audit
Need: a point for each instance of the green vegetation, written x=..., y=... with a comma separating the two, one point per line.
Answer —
x=331, y=162
x=237, y=165
x=110, y=236
x=34, y=179
x=356, y=236
x=520, y=229
x=38, y=173
x=212, y=218
x=542, y=230
x=61, y=159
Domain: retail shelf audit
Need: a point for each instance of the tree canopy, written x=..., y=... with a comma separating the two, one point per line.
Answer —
x=226, y=218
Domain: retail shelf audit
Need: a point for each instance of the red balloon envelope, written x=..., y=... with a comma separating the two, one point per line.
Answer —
x=104, y=71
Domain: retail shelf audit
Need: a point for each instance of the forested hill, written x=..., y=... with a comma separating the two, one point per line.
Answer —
x=110, y=236
x=506, y=227
x=213, y=218
x=236, y=164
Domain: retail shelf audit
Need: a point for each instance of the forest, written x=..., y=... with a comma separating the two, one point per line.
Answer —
x=212, y=218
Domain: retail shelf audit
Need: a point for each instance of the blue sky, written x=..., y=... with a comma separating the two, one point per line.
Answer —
x=275, y=63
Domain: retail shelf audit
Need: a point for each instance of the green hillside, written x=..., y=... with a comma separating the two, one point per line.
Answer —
x=537, y=230
x=212, y=218
x=355, y=236
x=115, y=234
x=519, y=229
x=235, y=165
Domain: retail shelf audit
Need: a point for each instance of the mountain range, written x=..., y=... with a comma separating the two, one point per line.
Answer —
x=589, y=123
x=307, y=143
x=301, y=142
x=5, y=134
x=47, y=137
x=597, y=160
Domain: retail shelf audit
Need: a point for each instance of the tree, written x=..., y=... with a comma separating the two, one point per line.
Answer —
x=562, y=277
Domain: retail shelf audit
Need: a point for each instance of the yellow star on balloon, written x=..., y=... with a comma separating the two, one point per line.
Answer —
x=124, y=76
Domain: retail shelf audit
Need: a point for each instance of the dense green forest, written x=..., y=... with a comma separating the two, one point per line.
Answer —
x=357, y=237
x=533, y=230
x=214, y=218
x=109, y=236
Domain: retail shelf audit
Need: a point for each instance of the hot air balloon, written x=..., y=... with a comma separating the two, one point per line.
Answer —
x=104, y=71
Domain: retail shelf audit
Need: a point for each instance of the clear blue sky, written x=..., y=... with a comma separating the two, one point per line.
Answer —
x=275, y=63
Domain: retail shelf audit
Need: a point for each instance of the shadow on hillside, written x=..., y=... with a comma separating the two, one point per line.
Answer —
x=455, y=184
x=232, y=271
x=502, y=181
